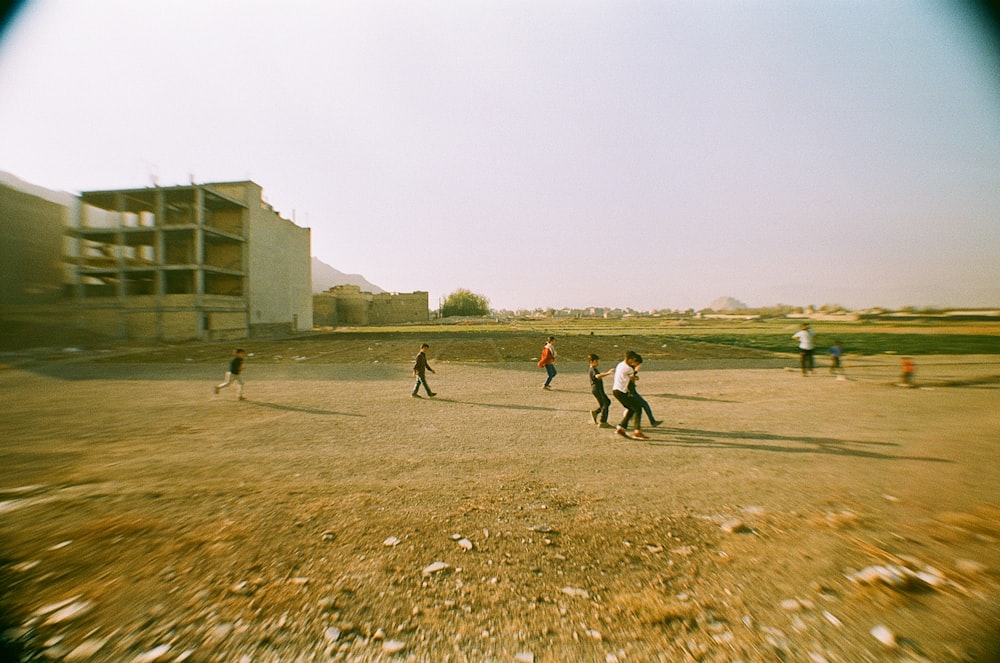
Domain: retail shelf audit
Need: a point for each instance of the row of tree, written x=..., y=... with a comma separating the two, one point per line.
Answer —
x=464, y=302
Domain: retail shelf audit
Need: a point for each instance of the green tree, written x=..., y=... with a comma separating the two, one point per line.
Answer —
x=464, y=302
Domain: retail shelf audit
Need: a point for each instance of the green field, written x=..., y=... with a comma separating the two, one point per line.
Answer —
x=862, y=338
x=522, y=340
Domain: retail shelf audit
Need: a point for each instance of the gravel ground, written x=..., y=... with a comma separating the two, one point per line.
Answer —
x=332, y=517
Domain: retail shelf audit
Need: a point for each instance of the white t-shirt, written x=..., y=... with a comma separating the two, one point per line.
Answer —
x=805, y=337
x=623, y=374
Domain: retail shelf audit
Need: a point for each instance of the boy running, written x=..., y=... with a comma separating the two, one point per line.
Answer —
x=624, y=372
x=597, y=389
x=235, y=373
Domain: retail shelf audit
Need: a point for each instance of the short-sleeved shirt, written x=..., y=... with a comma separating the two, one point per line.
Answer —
x=623, y=375
x=596, y=382
x=805, y=337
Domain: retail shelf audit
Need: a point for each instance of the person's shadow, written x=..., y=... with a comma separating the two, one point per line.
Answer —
x=307, y=410
x=794, y=444
x=502, y=406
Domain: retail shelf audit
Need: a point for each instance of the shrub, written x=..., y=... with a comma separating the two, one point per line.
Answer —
x=464, y=302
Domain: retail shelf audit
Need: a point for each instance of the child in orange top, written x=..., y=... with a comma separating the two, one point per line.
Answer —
x=909, y=369
x=548, y=361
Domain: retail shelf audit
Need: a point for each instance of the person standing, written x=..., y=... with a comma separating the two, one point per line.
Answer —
x=807, y=346
x=624, y=372
x=597, y=389
x=420, y=368
x=235, y=373
x=548, y=361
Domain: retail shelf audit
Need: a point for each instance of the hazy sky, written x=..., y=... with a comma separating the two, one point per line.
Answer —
x=652, y=154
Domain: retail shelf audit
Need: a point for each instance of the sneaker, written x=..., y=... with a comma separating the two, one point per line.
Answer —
x=654, y=424
x=546, y=387
x=620, y=432
x=593, y=415
x=604, y=424
x=638, y=435
x=432, y=394
x=416, y=396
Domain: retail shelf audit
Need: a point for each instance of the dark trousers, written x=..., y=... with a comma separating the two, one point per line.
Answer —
x=806, y=359
x=421, y=379
x=550, y=370
x=644, y=404
x=603, y=403
x=632, y=408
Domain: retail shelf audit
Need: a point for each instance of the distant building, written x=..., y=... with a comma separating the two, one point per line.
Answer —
x=204, y=261
x=349, y=305
x=726, y=304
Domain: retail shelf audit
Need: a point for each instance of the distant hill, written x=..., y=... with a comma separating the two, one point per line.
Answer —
x=727, y=304
x=325, y=277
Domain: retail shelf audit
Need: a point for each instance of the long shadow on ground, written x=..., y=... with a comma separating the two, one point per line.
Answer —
x=700, y=399
x=688, y=437
x=504, y=406
x=307, y=410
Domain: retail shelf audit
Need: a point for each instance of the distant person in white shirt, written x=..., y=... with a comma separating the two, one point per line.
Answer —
x=624, y=373
x=807, y=344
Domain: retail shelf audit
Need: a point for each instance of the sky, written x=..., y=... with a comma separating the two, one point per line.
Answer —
x=548, y=154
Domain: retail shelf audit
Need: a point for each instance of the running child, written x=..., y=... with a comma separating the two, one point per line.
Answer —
x=597, y=389
x=235, y=373
x=635, y=394
x=836, y=353
x=624, y=372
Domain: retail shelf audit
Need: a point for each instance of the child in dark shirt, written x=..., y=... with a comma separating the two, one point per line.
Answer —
x=420, y=368
x=639, y=399
x=597, y=389
x=235, y=373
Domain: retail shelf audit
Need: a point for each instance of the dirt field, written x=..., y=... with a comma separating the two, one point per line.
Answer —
x=143, y=518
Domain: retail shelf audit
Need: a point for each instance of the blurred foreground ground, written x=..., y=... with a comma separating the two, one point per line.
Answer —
x=143, y=518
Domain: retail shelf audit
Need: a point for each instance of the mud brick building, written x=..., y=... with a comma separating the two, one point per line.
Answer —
x=349, y=305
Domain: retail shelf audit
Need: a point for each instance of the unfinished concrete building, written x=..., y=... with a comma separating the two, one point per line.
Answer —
x=205, y=261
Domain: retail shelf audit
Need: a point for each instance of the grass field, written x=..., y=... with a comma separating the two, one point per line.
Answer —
x=863, y=338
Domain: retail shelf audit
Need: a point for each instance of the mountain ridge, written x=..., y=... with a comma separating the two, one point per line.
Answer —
x=325, y=277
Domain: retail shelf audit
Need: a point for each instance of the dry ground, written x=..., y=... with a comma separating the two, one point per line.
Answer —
x=143, y=518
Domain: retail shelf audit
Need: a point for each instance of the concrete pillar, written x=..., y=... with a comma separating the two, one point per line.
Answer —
x=159, y=257
x=159, y=241
x=120, y=288
x=75, y=253
x=199, y=258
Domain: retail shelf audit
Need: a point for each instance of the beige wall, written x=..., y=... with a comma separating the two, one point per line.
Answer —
x=279, y=268
x=31, y=228
x=348, y=305
x=394, y=308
